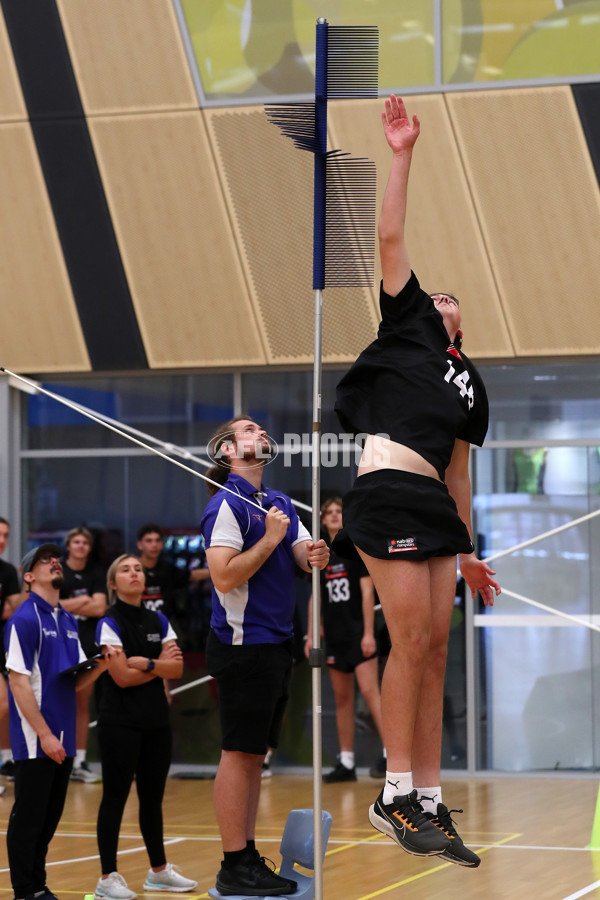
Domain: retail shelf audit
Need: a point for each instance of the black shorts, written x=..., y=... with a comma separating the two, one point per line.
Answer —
x=253, y=682
x=345, y=656
x=391, y=514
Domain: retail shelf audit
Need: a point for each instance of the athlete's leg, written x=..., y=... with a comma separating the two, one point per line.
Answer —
x=427, y=745
x=236, y=797
x=404, y=592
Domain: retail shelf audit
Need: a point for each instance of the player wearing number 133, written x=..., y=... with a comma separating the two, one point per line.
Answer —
x=422, y=403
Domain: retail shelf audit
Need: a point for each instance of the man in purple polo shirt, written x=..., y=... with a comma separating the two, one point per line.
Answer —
x=42, y=643
x=252, y=549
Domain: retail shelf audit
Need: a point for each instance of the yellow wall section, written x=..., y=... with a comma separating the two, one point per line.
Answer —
x=127, y=55
x=40, y=328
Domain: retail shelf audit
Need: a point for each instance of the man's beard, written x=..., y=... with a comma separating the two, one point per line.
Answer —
x=57, y=582
x=260, y=455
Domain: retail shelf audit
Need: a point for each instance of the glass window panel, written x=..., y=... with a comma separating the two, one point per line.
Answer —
x=181, y=409
x=245, y=50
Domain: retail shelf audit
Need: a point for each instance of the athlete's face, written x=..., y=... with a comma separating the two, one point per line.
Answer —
x=332, y=517
x=447, y=305
x=4, y=536
x=79, y=547
x=151, y=545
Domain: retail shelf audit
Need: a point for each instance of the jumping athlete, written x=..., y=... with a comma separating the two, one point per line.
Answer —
x=422, y=403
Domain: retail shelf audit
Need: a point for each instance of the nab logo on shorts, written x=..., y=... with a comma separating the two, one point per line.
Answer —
x=401, y=545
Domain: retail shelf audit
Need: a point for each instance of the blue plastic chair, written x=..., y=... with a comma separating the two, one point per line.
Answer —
x=297, y=846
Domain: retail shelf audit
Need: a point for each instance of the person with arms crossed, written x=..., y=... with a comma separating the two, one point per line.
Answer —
x=163, y=578
x=43, y=644
x=422, y=403
x=134, y=732
x=84, y=595
x=10, y=597
x=252, y=552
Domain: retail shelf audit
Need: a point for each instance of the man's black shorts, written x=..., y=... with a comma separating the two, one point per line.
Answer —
x=253, y=682
x=391, y=514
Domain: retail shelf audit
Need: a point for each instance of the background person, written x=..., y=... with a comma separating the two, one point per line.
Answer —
x=421, y=402
x=134, y=734
x=252, y=553
x=348, y=617
x=42, y=642
x=10, y=597
x=84, y=595
x=164, y=580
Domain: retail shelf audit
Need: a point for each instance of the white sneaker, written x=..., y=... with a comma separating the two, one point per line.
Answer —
x=85, y=774
x=114, y=887
x=168, y=879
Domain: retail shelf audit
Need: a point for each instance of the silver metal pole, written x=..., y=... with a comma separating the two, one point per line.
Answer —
x=316, y=660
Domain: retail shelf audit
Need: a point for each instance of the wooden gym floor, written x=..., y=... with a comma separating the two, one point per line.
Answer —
x=531, y=833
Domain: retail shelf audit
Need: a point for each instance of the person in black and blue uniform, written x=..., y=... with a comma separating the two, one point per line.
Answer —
x=134, y=733
x=421, y=403
x=252, y=550
x=43, y=642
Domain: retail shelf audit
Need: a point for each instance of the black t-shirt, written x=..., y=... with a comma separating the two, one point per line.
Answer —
x=143, y=705
x=163, y=582
x=341, y=599
x=76, y=583
x=412, y=384
x=9, y=582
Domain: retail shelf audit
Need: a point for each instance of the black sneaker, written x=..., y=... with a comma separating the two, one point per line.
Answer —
x=252, y=878
x=262, y=861
x=340, y=773
x=456, y=852
x=406, y=823
x=7, y=769
x=379, y=769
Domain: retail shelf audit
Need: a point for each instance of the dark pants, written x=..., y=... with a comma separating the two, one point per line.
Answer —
x=126, y=752
x=40, y=791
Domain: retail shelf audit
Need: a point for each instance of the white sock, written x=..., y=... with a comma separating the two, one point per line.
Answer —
x=347, y=758
x=79, y=758
x=396, y=783
x=7, y=755
x=429, y=797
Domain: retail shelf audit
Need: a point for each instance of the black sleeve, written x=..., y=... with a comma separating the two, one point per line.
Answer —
x=475, y=429
x=409, y=303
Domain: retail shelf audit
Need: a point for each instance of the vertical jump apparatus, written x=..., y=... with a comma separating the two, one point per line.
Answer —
x=346, y=67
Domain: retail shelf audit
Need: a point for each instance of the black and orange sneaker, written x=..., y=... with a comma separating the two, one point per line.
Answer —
x=456, y=852
x=406, y=823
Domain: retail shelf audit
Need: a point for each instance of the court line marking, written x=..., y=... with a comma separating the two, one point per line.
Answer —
x=427, y=873
x=583, y=891
x=66, y=862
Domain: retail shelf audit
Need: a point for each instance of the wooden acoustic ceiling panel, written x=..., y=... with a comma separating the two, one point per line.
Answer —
x=538, y=203
x=12, y=105
x=445, y=244
x=269, y=189
x=40, y=329
x=128, y=55
x=176, y=242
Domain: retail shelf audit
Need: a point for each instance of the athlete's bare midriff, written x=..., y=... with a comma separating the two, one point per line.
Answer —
x=382, y=453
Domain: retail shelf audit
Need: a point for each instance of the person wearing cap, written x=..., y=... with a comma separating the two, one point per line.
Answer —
x=42, y=644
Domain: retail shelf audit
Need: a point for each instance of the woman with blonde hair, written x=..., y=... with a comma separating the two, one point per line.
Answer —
x=134, y=734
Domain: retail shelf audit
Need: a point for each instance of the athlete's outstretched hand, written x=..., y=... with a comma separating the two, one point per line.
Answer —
x=399, y=132
x=478, y=576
